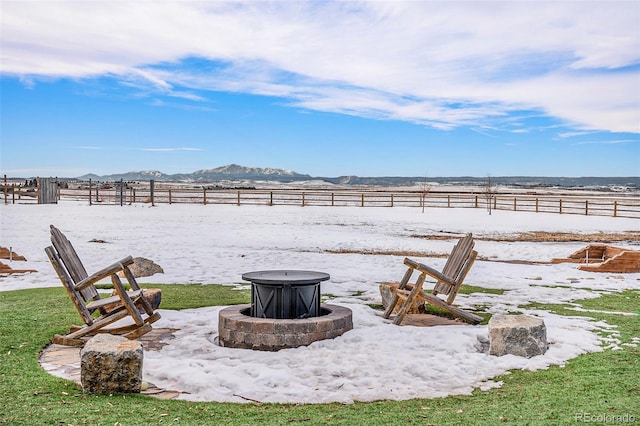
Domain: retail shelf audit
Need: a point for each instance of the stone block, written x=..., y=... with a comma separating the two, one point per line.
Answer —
x=520, y=335
x=387, y=291
x=111, y=364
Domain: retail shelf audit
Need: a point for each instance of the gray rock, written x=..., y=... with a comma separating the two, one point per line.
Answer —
x=111, y=364
x=142, y=267
x=520, y=335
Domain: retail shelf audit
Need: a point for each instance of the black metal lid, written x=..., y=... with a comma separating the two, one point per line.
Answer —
x=285, y=277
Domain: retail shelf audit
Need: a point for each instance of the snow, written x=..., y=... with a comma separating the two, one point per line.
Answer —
x=376, y=360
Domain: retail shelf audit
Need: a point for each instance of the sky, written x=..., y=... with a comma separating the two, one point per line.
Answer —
x=326, y=88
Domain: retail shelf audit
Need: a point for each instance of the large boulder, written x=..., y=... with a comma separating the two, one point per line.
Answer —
x=520, y=335
x=142, y=267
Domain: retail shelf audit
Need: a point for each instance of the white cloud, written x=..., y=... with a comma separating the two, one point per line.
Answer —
x=442, y=64
x=90, y=147
x=171, y=149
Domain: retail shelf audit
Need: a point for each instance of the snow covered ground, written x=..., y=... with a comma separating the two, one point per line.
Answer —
x=376, y=360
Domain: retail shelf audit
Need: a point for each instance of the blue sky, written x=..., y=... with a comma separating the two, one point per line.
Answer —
x=325, y=88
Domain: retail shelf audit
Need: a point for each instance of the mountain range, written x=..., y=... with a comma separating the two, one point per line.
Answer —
x=235, y=172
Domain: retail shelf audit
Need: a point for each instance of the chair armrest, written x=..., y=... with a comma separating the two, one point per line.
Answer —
x=103, y=273
x=429, y=271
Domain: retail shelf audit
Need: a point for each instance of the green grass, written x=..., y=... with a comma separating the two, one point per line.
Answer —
x=598, y=383
x=469, y=289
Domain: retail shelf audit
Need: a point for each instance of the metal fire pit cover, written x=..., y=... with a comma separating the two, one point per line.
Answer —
x=285, y=294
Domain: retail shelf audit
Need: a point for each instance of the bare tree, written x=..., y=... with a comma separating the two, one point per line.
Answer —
x=425, y=191
x=489, y=192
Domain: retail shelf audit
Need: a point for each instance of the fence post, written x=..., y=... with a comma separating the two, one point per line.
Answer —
x=448, y=200
x=271, y=198
x=332, y=204
x=362, y=200
x=133, y=195
x=238, y=198
x=204, y=196
x=515, y=202
x=121, y=192
x=476, y=201
x=152, y=185
x=615, y=209
x=391, y=200
x=560, y=205
x=98, y=192
x=495, y=203
x=13, y=193
x=170, y=200
x=6, y=201
x=303, y=199
x=90, y=191
x=536, y=204
x=586, y=207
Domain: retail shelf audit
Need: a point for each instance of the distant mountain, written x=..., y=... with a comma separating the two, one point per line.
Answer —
x=235, y=172
x=228, y=172
x=141, y=175
x=517, y=181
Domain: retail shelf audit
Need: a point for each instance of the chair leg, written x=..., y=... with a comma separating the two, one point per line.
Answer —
x=126, y=300
x=146, y=306
x=417, y=288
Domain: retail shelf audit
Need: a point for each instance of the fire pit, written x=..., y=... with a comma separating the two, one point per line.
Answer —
x=285, y=294
x=285, y=312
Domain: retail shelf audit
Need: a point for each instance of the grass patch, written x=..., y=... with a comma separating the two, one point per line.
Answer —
x=468, y=289
x=606, y=308
x=599, y=383
x=197, y=296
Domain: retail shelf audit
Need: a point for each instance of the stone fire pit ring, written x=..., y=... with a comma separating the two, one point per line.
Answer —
x=237, y=329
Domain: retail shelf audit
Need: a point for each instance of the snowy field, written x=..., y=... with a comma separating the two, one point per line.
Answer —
x=376, y=360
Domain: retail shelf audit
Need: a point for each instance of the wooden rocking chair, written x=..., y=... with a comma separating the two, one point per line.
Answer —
x=448, y=283
x=98, y=313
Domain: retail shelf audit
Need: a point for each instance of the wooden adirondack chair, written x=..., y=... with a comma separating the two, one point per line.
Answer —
x=98, y=313
x=448, y=283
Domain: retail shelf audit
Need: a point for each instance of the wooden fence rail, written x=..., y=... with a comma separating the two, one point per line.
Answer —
x=598, y=204
x=565, y=204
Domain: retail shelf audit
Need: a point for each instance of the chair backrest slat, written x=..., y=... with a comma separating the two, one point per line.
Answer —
x=72, y=262
x=67, y=282
x=463, y=274
x=455, y=264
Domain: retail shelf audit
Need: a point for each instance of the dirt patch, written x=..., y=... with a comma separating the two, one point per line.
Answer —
x=403, y=253
x=544, y=236
x=632, y=237
x=426, y=254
